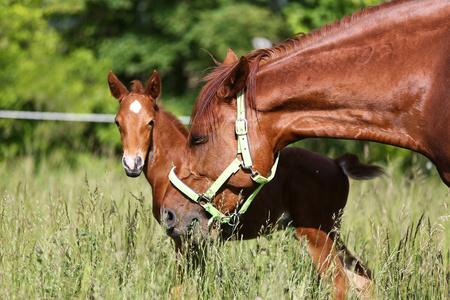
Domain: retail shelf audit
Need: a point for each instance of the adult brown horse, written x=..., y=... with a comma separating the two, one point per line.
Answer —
x=310, y=188
x=380, y=75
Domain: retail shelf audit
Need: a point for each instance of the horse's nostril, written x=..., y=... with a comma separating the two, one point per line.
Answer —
x=139, y=162
x=124, y=162
x=170, y=218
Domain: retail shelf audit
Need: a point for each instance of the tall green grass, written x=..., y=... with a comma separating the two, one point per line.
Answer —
x=85, y=230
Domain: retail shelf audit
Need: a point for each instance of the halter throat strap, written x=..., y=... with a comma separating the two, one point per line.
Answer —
x=205, y=199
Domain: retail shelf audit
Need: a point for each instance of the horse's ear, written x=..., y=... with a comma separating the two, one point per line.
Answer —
x=230, y=58
x=118, y=90
x=153, y=88
x=236, y=80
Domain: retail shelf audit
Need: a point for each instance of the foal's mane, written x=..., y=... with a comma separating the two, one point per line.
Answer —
x=203, y=116
x=176, y=122
x=139, y=89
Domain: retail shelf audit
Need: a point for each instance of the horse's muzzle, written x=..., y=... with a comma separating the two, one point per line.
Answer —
x=186, y=225
x=133, y=165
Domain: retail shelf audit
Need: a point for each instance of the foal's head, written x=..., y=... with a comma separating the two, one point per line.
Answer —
x=135, y=119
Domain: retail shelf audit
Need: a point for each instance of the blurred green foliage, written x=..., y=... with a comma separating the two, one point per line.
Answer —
x=55, y=56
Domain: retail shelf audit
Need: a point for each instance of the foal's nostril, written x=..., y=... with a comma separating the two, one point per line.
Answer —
x=139, y=162
x=170, y=218
x=133, y=165
x=124, y=162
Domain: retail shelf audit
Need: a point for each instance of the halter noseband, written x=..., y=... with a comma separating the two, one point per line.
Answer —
x=246, y=163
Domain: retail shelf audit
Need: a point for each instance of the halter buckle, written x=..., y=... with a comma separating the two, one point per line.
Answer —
x=241, y=126
x=204, y=198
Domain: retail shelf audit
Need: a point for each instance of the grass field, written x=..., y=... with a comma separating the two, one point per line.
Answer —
x=86, y=231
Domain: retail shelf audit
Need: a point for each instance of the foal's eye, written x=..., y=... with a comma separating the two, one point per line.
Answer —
x=117, y=123
x=151, y=123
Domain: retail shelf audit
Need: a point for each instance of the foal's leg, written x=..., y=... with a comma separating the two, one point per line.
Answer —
x=320, y=249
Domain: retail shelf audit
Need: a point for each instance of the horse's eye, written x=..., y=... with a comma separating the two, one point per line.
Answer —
x=151, y=123
x=117, y=123
x=198, y=140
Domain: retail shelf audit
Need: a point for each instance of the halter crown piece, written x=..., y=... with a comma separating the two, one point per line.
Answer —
x=246, y=163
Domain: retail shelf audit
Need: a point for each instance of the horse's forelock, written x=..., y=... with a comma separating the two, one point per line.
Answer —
x=137, y=87
x=203, y=115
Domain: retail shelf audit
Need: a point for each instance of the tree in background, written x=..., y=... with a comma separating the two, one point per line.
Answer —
x=140, y=36
x=37, y=75
x=55, y=56
x=305, y=15
x=172, y=35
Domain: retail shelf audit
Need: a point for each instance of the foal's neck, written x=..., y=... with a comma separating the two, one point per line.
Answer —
x=168, y=140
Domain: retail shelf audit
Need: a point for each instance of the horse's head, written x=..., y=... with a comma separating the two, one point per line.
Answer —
x=212, y=147
x=135, y=119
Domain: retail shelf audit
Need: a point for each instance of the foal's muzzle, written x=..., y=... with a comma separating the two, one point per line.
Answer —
x=133, y=165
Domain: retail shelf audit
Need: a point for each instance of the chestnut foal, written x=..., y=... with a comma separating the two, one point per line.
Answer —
x=309, y=189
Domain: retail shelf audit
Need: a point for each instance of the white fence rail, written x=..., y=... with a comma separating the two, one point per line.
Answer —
x=73, y=117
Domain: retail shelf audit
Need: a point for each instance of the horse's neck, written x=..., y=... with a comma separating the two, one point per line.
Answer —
x=372, y=86
x=168, y=141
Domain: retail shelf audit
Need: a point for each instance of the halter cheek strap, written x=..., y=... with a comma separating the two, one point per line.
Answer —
x=241, y=132
x=205, y=199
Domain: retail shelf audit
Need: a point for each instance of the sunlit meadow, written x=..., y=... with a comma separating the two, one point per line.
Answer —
x=85, y=230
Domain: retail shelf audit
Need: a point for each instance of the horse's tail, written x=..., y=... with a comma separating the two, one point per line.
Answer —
x=353, y=168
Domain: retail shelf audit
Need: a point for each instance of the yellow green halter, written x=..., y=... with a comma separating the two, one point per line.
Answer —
x=233, y=168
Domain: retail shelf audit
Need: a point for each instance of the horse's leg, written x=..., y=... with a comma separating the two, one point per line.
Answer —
x=324, y=256
x=350, y=262
x=357, y=272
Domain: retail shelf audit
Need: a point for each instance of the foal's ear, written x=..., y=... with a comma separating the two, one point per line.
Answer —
x=153, y=88
x=118, y=90
x=236, y=80
x=230, y=58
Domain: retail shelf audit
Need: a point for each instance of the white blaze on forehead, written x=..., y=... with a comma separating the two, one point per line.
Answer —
x=135, y=106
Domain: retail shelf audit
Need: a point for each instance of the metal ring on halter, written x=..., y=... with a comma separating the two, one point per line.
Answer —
x=246, y=168
x=234, y=219
x=254, y=173
x=242, y=163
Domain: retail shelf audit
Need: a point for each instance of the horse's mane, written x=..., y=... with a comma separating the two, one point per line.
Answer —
x=176, y=122
x=301, y=40
x=139, y=89
x=203, y=116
